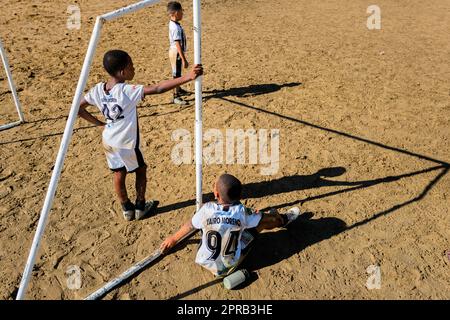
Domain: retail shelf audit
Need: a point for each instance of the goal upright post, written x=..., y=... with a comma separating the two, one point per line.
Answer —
x=13, y=89
x=68, y=131
x=198, y=104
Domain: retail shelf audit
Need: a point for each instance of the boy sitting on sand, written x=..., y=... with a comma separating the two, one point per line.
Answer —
x=117, y=101
x=223, y=224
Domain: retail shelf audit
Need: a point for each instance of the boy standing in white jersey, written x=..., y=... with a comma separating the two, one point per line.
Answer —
x=223, y=224
x=118, y=101
x=178, y=47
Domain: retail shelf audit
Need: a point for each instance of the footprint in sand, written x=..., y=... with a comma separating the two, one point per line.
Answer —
x=5, y=175
x=4, y=191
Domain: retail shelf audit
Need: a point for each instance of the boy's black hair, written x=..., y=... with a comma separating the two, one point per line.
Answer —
x=174, y=6
x=229, y=188
x=115, y=61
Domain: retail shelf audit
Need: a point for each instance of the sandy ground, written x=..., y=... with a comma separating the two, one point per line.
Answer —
x=364, y=148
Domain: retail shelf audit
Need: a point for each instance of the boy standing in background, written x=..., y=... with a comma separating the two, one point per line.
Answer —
x=177, y=50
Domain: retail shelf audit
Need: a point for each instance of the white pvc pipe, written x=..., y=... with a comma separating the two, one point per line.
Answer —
x=125, y=275
x=132, y=270
x=10, y=125
x=198, y=104
x=11, y=83
x=131, y=8
x=60, y=158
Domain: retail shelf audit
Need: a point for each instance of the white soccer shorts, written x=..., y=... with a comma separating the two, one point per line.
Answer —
x=124, y=159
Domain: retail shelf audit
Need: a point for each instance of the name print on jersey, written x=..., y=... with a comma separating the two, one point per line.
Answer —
x=223, y=220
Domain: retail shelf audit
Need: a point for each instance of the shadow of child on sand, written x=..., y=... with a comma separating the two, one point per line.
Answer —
x=291, y=183
x=271, y=248
x=249, y=91
x=268, y=188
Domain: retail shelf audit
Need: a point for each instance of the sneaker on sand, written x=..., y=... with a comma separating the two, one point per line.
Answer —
x=128, y=211
x=179, y=101
x=145, y=209
x=291, y=215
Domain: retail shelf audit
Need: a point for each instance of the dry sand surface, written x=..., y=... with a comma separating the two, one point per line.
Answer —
x=364, y=148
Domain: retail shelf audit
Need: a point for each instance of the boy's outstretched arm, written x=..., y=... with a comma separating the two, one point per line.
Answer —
x=83, y=113
x=171, y=241
x=167, y=85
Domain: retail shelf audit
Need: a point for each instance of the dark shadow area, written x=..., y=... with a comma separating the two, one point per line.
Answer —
x=46, y=119
x=398, y=206
x=185, y=244
x=354, y=185
x=179, y=205
x=253, y=277
x=274, y=247
x=334, y=131
x=249, y=91
x=45, y=136
x=248, y=282
x=300, y=182
x=293, y=183
x=268, y=188
x=150, y=212
x=146, y=106
x=196, y=289
x=94, y=110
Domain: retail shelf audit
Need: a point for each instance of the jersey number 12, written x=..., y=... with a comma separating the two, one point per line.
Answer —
x=114, y=114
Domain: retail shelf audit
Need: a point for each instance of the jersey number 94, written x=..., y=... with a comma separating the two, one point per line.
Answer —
x=214, y=244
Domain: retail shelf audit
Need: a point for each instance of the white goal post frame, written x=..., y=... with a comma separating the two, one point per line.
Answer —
x=68, y=131
x=12, y=87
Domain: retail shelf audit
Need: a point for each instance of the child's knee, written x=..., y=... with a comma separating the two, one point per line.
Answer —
x=120, y=175
x=272, y=217
x=271, y=220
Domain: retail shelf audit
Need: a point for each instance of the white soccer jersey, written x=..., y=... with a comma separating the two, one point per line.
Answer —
x=119, y=108
x=176, y=33
x=222, y=230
